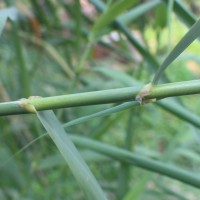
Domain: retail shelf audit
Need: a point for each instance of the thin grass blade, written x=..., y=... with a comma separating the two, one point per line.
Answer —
x=183, y=13
x=103, y=113
x=152, y=62
x=179, y=111
x=169, y=20
x=109, y=15
x=76, y=163
x=189, y=37
x=136, y=12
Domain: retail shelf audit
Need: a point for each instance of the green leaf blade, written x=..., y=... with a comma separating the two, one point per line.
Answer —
x=77, y=165
x=189, y=37
x=138, y=11
x=109, y=15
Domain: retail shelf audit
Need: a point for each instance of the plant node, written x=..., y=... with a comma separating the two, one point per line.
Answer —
x=145, y=91
x=26, y=105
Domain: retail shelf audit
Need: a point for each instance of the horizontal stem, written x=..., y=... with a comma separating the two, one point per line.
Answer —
x=175, y=89
x=142, y=162
x=100, y=97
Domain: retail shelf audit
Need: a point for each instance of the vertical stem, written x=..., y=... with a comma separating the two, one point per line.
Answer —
x=169, y=20
x=125, y=167
x=123, y=180
x=129, y=132
x=23, y=73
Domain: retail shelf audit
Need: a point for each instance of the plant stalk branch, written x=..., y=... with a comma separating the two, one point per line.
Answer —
x=100, y=97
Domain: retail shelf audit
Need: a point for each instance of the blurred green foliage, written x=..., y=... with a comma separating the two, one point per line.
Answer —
x=40, y=55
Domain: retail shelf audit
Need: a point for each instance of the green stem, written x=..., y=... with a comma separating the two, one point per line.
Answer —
x=142, y=162
x=72, y=100
x=175, y=89
x=183, y=13
x=23, y=71
x=179, y=111
x=124, y=175
x=100, y=97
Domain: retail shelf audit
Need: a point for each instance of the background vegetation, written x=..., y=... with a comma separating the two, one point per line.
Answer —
x=61, y=47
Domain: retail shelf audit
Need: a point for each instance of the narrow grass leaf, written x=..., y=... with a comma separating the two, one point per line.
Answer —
x=179, y=111
x=103, y=113
x=21, y=61
x=109, y=15
x=183, y=13
x=21, y=150
x=152, y=62
x=169, y=20
x=160, y=17
x=76, y=163
x=189, y=37
x=138, y=11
